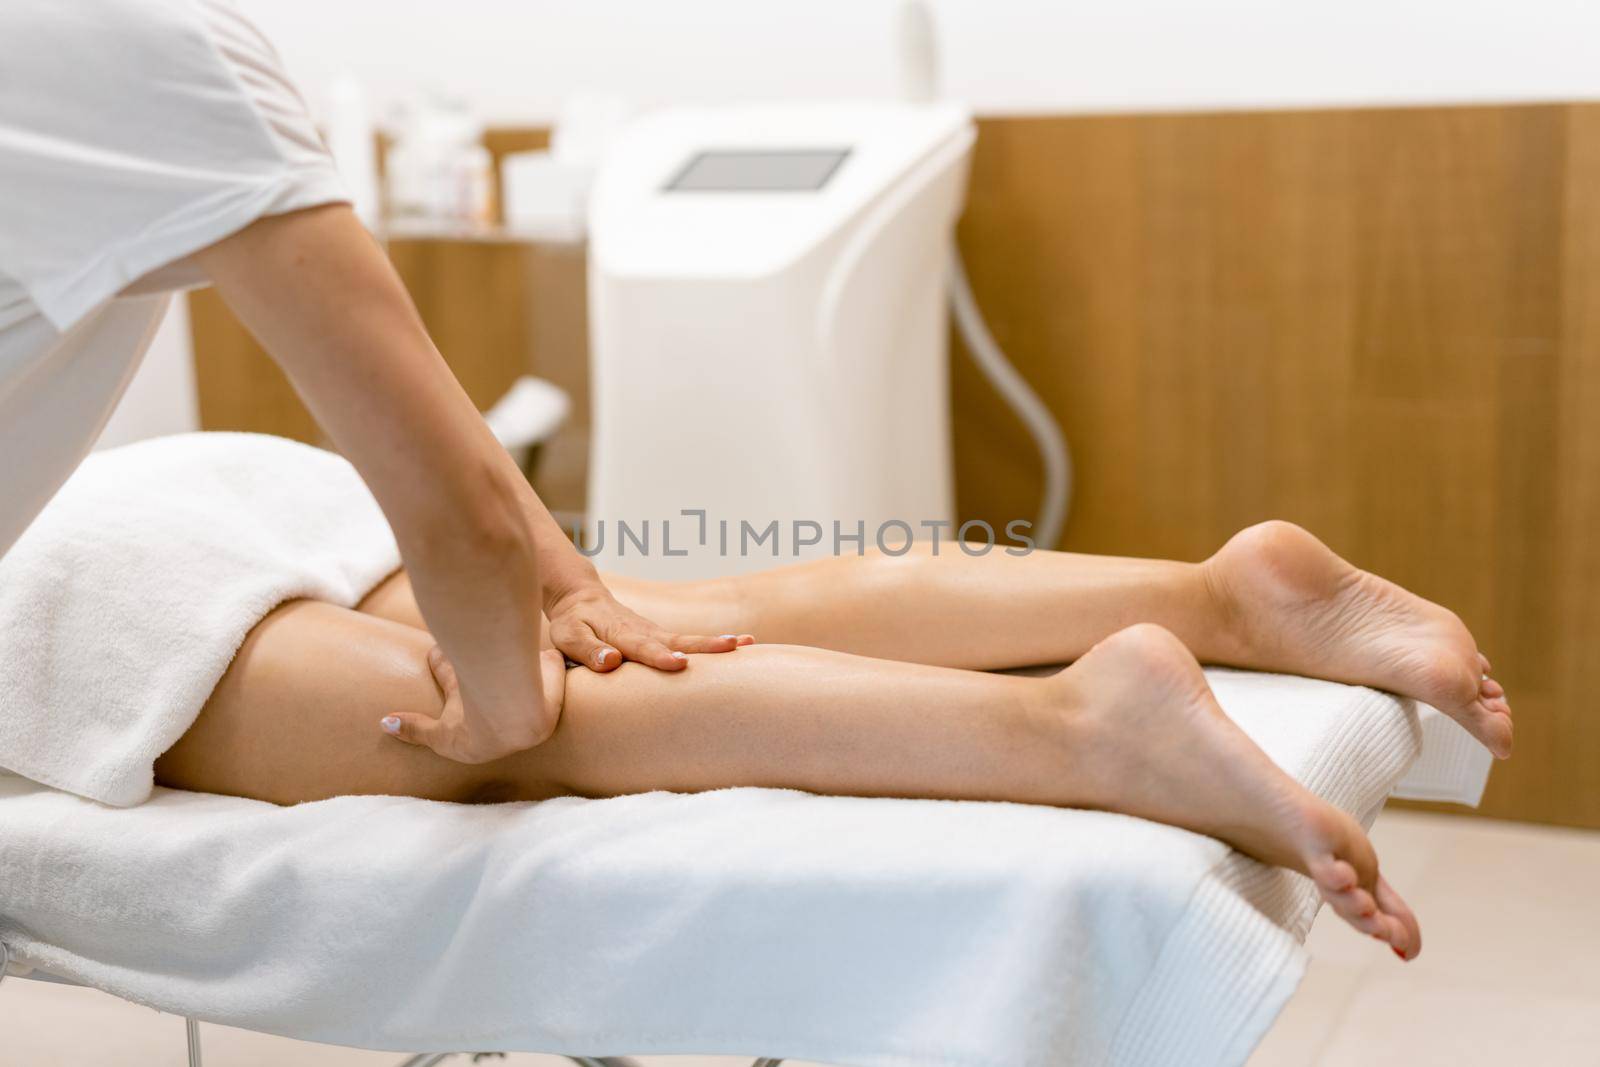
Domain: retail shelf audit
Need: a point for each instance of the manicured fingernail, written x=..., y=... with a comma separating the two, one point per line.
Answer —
x=603, y=656
x=390, y=724
x=1397, y=952
x=680, y=655
x=728, y=637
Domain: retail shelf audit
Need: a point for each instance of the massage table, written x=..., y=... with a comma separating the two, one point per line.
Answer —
x=886, y=933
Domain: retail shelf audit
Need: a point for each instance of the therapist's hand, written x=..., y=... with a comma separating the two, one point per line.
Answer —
x=458, y=734
x=591, y=627
x=484, y=554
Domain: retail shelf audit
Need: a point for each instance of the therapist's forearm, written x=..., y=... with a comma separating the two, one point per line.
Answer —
x=562, y=568
x=319, y=294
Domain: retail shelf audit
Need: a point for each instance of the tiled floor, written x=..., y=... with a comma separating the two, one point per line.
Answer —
x=1510, y=975
x=1510, y=968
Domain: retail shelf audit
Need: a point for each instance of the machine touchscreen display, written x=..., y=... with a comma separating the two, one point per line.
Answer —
x=796, y=170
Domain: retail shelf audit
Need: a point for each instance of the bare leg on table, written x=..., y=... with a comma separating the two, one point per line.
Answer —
x=1274, y=598
x=1131, y=727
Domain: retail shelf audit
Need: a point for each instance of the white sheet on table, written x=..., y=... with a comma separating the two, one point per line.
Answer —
x=876, y=932
x=1453, y=767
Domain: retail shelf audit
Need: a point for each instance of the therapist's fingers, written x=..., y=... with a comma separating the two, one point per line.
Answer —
x=553, y=675
x=667, y=651
x=444, y=672
x=419, y=730
x=606, y=634
x=698, y=643
x=579, y=643
x=446, y=733
x=451, y=734
x=644, y=646
x=600, y=633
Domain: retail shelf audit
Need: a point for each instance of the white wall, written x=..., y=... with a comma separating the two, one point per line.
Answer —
x=161, y=399
x=516, y=59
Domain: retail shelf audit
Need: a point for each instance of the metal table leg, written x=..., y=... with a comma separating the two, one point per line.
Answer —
x=191, y=1033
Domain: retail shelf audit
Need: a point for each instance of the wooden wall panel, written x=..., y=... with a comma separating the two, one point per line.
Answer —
x=1566, y=735
x=238, y=387
x=471, y=296
x=471, y=293
x=496, y=309
x=1381, y=324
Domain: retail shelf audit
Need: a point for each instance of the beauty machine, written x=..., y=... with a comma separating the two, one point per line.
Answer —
x=767, y=288
x=768, y=333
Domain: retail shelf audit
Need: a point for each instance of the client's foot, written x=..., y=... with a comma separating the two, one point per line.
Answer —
x=1149, y=739
x=1298, y=607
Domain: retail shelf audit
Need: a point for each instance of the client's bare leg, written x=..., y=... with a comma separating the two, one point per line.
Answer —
x=1131, y=727
x=1273, y=598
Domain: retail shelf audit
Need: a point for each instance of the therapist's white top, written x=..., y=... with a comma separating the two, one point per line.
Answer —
x=132, y=134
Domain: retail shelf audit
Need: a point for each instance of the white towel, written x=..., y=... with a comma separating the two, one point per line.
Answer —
x=891, y=933
x=1454, y=767
x=124, y=602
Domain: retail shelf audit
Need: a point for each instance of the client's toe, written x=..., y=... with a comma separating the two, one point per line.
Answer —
x=1406, y=931
x=1490, y=721
x=1357, y=907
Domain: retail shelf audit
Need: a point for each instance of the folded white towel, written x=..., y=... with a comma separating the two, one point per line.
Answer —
x=124, y=602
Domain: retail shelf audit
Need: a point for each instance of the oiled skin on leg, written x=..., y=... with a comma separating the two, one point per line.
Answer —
x=295, y=719
x=1131, y=727
x=1272, y=598
x=308, y=661
x=292, y=719
x=891, y=700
